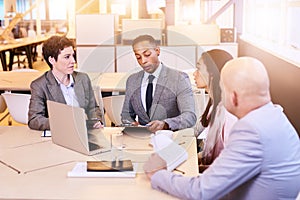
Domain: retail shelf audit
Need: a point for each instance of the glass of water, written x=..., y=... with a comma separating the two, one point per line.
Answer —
x=117, y=145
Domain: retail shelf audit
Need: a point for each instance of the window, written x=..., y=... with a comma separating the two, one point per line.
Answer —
x=1, y=10
x=274, y=25
x=23, y=5
x=58, y=10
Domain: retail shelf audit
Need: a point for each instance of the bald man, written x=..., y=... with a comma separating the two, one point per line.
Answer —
x=262, y=157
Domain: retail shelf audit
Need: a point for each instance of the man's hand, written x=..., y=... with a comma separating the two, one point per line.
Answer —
x=154, y=164
x=157, y=125
x=135, y=123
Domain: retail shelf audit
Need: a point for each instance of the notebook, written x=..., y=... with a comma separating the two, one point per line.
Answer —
x=69, y=129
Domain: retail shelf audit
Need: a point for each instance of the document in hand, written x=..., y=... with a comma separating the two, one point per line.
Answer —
x=168, y=150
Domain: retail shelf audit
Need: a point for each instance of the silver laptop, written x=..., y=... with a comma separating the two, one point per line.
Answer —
x=69, y=129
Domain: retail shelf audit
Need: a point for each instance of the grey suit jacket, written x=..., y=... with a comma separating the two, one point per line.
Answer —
x=260, y=161
x=46, y=88
x=173, y=100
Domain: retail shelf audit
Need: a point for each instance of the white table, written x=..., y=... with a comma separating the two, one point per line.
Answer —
x=43, y=168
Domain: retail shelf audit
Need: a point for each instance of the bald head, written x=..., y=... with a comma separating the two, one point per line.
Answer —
x=245, y=85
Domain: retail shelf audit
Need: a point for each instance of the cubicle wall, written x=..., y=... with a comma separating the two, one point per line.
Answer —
x=95, y=39
x=178, y=57
x=125, y=59
x=96, y=58
x=95, y=29
x=131, y=28
x=97, y=50
x=195, y=34
x=119, y=58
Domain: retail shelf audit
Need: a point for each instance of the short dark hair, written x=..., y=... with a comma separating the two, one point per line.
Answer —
x=142, y=38
x=53, y=46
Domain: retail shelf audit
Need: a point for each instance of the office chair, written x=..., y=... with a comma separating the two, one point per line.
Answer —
x=98, y=97
x=20, y=53
x=2, y=104
x=18, y=106
x=3, y=107
x=113, y=108
x=20, y=32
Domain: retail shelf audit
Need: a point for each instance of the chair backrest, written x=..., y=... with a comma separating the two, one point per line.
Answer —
x=113, y=108
x=18, y=106
x=98, y=97
x=2, y=104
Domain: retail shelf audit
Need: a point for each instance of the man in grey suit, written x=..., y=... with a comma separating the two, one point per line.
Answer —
x=172, y=105
x=262, y=157
x=61, y=84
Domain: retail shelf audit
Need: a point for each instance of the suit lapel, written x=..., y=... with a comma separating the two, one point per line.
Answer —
x=160, y=86
x=54, y=88
x=139, y=104
x=79, y=89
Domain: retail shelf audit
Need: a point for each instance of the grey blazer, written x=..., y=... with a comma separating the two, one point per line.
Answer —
x=173, y=100
x=46, y=88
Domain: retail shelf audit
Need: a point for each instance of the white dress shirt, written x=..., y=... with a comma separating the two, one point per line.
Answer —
x=145, y=84
x=69, y=93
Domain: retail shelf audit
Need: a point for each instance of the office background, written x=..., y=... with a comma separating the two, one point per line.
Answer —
x=267, y=30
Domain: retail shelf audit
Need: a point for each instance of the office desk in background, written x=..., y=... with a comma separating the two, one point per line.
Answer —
x=21, y=80
x=108, y=82
x=116, y=82
x=17, y=80
x=39, y=169
x=28, y=44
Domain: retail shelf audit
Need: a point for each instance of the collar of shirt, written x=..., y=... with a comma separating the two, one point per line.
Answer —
x=68, y=92
x=155, y=74
x=71, y=83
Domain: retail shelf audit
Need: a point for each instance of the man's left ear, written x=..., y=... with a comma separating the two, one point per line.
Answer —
x=157, y=49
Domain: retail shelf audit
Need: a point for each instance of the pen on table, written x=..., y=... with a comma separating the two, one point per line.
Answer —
x=11, y=167
x=179, y=171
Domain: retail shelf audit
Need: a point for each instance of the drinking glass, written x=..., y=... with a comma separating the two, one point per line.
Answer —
x=117, y=145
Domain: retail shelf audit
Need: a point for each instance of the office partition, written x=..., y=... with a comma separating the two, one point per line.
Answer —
x=96, y=58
